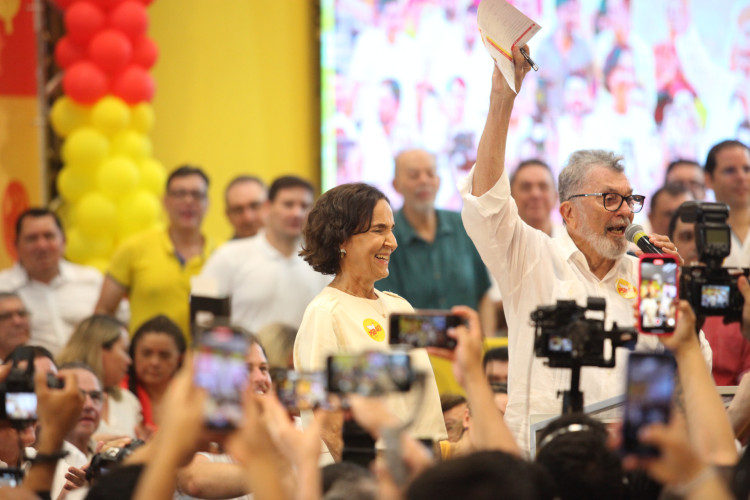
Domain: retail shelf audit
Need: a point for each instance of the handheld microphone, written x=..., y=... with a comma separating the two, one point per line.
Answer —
x=636, y=234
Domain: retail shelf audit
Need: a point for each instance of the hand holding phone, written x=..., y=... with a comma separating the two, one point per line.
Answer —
x=370, y=373
x=299, y=391
x=220, y=368
x=657, y=293
x=424, y=328
x=648, y=397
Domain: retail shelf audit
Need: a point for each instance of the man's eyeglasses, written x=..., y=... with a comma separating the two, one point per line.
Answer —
x=182, y=194
x=22, y=313
x=96, y=396
x=613, y=201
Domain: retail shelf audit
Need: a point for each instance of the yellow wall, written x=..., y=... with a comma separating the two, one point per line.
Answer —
x=237, y=90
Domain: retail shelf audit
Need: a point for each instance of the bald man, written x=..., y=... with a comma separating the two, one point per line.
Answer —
x=436, y=265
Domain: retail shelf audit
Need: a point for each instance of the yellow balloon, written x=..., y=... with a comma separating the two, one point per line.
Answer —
x=66, y=116
x=118, y=176
x=137, y=212
x=110, y=115
x=142, y=117
x=153, y=176
x=80, y=248
x=73, y=182
x=133, y=144
x=95, y=215
x=85, y=147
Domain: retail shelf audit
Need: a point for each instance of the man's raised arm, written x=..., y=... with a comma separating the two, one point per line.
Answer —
x=491, y=151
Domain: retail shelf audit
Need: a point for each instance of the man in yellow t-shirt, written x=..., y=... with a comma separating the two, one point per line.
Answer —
x=154, y=268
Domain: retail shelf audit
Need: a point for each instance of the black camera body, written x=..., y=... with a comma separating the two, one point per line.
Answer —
x=104, y=461
x=568, y=338
x=711, y=289
x=17, y=391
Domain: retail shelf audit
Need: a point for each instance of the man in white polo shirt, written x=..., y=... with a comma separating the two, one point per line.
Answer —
x=264, y=275
x=57, y=293
x=596, y=203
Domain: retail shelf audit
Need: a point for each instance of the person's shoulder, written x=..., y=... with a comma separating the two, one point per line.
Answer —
x=80, y=272
x=449, y=215
x=326, y=300
x=238, y=247
x=395, y=302
x=12, y=278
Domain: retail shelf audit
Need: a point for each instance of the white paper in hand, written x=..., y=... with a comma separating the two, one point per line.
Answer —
x=503, y=27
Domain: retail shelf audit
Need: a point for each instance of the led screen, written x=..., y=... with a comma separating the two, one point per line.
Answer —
x=653, y=80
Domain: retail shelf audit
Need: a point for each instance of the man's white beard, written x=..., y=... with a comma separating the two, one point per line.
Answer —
x=601, y=243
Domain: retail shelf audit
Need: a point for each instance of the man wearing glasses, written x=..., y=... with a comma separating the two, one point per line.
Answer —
x=727, y=172
x=69, y=473
x=14, y=323
x=154, y=268
x=596, y=203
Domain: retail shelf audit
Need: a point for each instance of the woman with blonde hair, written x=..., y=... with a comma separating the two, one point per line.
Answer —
x=101, y=342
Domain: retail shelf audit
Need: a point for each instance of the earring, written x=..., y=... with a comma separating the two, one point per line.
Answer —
x=342, y=251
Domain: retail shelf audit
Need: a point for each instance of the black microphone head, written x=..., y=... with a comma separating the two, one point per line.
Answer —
x=632, y=230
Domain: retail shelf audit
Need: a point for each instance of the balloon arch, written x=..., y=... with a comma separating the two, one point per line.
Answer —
x=110, y=181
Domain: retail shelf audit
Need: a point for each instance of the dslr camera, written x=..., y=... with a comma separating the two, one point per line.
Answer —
x=568, y=338
x=710, y=288
x=104, y=461
x=17, y=394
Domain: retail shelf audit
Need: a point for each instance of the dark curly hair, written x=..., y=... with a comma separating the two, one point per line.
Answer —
x=338, y=214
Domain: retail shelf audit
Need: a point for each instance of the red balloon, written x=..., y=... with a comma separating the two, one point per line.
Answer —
x=110, y=50
x=130, y=17
x=85, y=83
x=83, y=20
x=145, y=52
x=108, y=4
x=68, y=52
x=134, y=85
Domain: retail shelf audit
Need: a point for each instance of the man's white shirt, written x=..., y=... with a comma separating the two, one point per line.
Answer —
x=58, y=306
x=532, y=270
x=265, y=286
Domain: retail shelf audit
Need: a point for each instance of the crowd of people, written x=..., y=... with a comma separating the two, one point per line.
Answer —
x=120, y=413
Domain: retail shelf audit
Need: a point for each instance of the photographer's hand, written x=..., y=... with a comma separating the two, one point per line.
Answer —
x=58, y=411
x=708, y=424
x=489, y=431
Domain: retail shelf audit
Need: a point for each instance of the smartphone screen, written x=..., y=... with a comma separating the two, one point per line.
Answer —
x=302, y=390
x=648, y=397
x=220, y=368
x=657, y=299
x=11, y=477
x=370, y=373
x=424, y=329
x=20, y=406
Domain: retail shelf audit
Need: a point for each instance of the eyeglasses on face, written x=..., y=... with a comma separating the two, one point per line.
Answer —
x=22, y=313
x=613, y=201
x=96, y=396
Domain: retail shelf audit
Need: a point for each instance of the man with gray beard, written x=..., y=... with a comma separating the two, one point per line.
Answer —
x=596, y=204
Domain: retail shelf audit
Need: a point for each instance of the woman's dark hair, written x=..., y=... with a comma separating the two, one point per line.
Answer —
x=339, y=214
x=158, y=324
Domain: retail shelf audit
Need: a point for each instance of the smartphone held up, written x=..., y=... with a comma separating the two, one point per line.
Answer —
x=657, y=296
x=648, y=397
x=424, y=328
x=220, y=369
